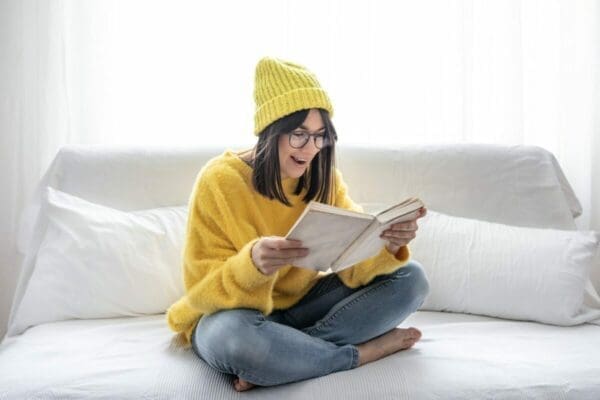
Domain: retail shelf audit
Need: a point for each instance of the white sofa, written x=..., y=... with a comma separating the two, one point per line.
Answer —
x=53, y=353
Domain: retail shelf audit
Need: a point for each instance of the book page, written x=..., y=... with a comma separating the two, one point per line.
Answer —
x=400, y=209
x=396, y=206
x=369, y=244
x=368, y=247
x=326, y=235
x=314, y=205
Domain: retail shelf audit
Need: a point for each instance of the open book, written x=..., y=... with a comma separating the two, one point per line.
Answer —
x=338, y=238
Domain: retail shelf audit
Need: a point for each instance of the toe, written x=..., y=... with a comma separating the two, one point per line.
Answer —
x=415, y=333
x=241, y=385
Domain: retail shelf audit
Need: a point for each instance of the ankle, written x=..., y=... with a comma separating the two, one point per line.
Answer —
x=366, y=354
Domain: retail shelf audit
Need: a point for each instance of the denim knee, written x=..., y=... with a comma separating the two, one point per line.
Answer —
x=229, y=340
x=414, y=277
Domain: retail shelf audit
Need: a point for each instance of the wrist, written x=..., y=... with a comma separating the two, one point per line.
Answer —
x=393, y=249
x=253, y=260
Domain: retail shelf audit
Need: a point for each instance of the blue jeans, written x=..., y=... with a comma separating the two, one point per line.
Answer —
x=316, y=336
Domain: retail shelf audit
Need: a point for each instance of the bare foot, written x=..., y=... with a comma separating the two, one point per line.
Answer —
x=390, y=342
x=241, y=385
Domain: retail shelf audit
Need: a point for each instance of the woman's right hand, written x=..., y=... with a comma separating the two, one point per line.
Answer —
x=273, y=252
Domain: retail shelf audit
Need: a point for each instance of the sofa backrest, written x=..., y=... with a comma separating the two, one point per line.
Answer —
x=514, y=185
x=518, y=185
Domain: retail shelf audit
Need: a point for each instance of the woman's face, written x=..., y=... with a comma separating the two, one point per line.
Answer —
x=290, y=158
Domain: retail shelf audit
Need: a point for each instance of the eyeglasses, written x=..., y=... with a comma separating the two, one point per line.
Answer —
x=298, y=139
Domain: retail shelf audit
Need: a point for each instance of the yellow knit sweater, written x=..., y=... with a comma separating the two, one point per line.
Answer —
x=226, y=217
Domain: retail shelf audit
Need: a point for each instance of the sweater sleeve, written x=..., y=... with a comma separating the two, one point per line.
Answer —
x=383, y=263
x=217, y=262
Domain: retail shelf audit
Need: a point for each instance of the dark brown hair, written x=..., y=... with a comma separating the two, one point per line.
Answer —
x=319, y=178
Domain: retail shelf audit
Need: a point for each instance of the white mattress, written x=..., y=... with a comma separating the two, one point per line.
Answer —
x=459, y=357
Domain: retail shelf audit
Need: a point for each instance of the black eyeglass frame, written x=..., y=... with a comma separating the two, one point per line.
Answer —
x=307, y=136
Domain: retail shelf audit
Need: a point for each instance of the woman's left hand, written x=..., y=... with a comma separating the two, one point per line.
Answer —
x=401, y=233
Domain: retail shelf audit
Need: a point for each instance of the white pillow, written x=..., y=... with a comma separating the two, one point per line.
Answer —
x=99, y=262
x=504, y=271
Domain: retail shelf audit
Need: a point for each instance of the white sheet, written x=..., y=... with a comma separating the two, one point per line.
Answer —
x=460, y=356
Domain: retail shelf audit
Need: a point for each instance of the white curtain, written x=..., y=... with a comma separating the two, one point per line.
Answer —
x=398, y=72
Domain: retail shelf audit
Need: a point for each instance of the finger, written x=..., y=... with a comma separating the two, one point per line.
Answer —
x=283, y=254
x=283, y=243
x=405, y=226
x=275, y=264
x=412, y=226
x=400, y=239
x=403, y=235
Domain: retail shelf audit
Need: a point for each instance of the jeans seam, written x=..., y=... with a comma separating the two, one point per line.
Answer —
x=355, y=357
x=329, y=320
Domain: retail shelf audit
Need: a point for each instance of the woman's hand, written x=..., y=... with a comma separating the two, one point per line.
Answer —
x=401, y=233
x=273, y=252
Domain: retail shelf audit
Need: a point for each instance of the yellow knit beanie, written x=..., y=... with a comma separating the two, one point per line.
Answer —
x=283, y=87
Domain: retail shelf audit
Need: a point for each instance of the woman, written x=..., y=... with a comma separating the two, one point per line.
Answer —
x=248, y=311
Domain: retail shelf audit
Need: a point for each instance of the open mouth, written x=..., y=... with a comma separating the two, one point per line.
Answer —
x=299, y=161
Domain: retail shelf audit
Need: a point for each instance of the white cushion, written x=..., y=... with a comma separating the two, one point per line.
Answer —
x=98, y=262
x=504, y=271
